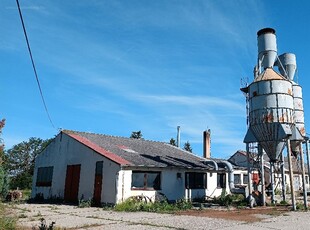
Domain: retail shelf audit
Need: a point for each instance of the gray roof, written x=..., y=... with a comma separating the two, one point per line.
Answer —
x=140, y=152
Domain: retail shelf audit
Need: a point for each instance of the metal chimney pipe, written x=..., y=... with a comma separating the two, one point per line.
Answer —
x=178, y=136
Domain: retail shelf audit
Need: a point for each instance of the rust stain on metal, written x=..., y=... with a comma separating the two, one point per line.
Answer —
x=289, y=91
x=269, y=118
x=281, y=119
x=302, y=131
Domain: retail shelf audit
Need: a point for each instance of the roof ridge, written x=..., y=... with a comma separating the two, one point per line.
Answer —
x=107, y=135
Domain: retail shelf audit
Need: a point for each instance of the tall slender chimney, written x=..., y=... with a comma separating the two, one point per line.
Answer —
x=207, y=143
x=178, y=136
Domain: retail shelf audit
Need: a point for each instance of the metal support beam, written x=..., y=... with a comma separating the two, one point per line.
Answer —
x=262, y=179
x=308, y=157
x=283, y=177
x=289, y=157
x=251, y=201
x=272, y=181
x=304, y=188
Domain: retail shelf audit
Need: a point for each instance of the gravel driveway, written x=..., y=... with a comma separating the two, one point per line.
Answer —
x=71, y=217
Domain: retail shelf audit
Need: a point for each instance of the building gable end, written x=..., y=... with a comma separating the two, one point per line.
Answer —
x=113, y=157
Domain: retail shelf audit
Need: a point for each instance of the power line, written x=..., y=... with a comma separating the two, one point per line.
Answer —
x=33, y=65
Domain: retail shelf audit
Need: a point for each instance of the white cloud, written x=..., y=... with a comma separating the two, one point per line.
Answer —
x=179, y=62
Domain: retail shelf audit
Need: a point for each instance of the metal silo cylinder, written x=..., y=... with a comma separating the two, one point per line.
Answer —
x=267, y=47
x=288, y=62
x=298, y=116
x=271, y=107
x=299, y=109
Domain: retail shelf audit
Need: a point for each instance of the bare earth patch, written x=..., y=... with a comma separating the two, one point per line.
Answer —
x=245, y=214
x=72, y=217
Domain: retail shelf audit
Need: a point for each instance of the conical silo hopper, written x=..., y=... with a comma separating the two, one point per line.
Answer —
x=287, y=65
x=271, y=112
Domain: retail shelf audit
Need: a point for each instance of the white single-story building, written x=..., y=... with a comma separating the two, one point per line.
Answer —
x=109, y=169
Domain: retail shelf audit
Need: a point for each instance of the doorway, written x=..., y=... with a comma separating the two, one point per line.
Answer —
x=72, y=183
x=98, y=183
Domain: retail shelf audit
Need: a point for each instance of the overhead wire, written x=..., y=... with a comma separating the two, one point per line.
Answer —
x=33, y=65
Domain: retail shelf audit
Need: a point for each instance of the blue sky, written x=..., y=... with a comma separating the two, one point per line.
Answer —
x=114, y=67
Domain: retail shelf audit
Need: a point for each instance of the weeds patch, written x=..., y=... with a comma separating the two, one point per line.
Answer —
x=7, y=221
x=132, y=205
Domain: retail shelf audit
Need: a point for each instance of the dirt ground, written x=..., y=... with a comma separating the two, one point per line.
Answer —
x=244, y=214
x=72, y=217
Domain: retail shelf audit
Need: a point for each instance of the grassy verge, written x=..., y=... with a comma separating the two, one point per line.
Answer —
x=7, y=220
x=131, y=205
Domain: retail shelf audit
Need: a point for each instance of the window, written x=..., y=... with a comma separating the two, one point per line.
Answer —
x=245, y=178
x=237, y=179
x=44, y=176
x=195, y=180
x=145, y=180
x=221, y=180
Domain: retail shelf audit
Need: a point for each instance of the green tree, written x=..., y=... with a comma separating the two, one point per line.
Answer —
x=187, y=147
x=4, y=183
x=172, y=142
x=136, y=135
x=20, y=161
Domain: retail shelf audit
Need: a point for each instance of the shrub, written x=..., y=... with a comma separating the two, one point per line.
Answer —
x=4, y=183
x=230, y=199
x=6, y=221
x=14, y=195
x=85, y=203
x=300, y=207
x=134, y=205
x=283, y=202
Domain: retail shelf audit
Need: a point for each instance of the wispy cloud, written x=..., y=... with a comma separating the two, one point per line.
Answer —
x=155, y=65
x=193, y=101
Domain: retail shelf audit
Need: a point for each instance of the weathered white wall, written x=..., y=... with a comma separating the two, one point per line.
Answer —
x=171, y=186
x=116, y=185
x=65, y=151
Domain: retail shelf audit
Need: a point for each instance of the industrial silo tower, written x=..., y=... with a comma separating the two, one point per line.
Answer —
x=275, y=111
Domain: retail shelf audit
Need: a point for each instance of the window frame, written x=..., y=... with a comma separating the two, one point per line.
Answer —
x=221, y=180
x=237, y=181
x=146, y=182
x=245, y=178
x=44, y=176
x=196, y=180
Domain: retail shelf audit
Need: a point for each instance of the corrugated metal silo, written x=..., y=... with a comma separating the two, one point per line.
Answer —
x=271, y=111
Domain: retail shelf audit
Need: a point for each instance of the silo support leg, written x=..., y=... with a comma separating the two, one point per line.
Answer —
x=272, y=181
x=283, y=178
x=304, y=188
x=262, y=168
x=308, y=162
x=289, y=157
x=251, y=201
